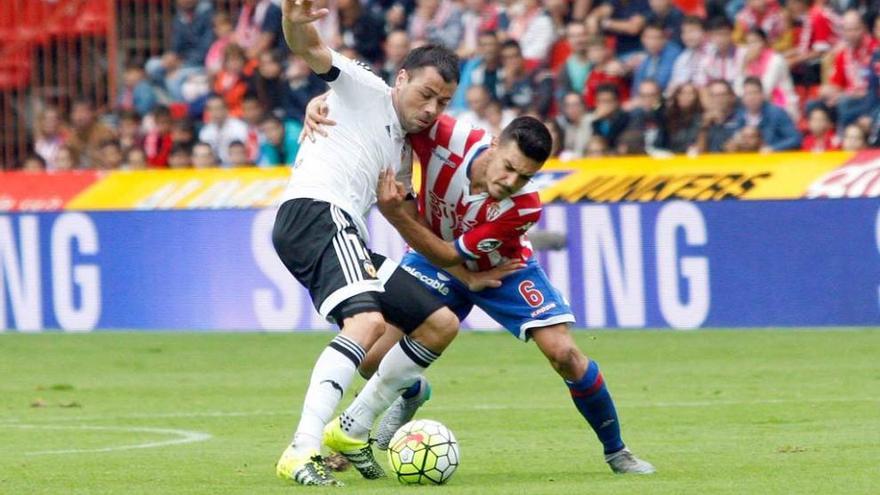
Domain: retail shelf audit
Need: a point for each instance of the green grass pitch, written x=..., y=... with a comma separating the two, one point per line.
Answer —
x=740, y=412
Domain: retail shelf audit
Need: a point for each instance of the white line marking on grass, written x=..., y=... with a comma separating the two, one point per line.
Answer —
x=475, y=407
x=183, y=437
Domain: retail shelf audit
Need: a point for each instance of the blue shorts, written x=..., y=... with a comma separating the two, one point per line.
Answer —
x=525, y=300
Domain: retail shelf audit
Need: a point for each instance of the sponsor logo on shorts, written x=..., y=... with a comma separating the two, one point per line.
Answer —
x=433, y=283
x=543, y=309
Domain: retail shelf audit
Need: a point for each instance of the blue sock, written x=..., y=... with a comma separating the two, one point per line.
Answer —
x=592, y=399
x=412, y=391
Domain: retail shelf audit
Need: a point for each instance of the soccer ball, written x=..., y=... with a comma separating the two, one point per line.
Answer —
x=423, y=452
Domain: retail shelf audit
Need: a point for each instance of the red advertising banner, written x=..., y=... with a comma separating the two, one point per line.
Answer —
x=24, y=191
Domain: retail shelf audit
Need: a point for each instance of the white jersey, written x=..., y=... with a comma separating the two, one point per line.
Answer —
x=343, y=168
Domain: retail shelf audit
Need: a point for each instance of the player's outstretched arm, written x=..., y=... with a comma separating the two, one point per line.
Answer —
x=302, y=37
x=391, y=198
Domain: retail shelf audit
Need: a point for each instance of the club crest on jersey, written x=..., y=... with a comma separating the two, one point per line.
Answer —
x=493, y=212
x=488, y=245
x=369, y=268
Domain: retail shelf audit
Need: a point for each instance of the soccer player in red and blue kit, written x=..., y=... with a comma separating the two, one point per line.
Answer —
x=474, y=207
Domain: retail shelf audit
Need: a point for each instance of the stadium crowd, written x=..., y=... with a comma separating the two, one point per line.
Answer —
x=616, y=77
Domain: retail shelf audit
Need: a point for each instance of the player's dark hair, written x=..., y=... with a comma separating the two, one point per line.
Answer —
x=441, y=58
x=531, y=136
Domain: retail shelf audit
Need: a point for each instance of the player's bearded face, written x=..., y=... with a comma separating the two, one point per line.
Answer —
x=422, y=95
x=509, y=170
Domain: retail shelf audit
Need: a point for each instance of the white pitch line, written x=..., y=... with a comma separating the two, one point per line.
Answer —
x=183, y=437
x=475, y=407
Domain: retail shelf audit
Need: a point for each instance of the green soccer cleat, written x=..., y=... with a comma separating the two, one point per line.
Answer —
x=307, y=469
x=358, y=453
x=401, y=411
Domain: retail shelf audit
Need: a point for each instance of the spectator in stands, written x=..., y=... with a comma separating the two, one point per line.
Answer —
x=361, y=29
x=479, y=16
x=478, y=99
x=816, y=37
x=821, y=135
x=777, y=129
x=576, y=126
x=301, y=86
x=847, y=87
x=238, y=155
x=33, y=163
x=67, y=158
x=436, y=21
x=396, y=47
x=253, y=113
x=180, y=157
x=232, y=82
x=689, y=67
x=183, y=133
x=50, y=134
x=647, y=119
x=111, y=156
x=130, y=131
x=485, y=70
x=623, y=19
x=87, y=133
x=606, y=70
x=494, y=117
x=684, y=118
x=267, y=84
x=765, y=15
x=573, y=74
x=747, y=140
x=854, y=138
x=532, y=27
x=659, y=58
x=158, y=141
x=725, y=59
x=281, y=143
x=259, y=27
x=761, y=61
x=203, y=156
x=137, y=93
x=135, y=159
x=720, y=120
x=598, y=147
x=221, y=130
x=191, y=37
x=664, y=13
x=608, y=119
x=224, y=34
x=520, y=88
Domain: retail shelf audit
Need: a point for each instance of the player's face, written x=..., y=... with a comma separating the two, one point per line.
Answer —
x=422, y=96
x=509, y=170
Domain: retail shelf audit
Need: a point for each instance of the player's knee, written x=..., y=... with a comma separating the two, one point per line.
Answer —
x=439, y=329
x=370, y=325
x=567, y=360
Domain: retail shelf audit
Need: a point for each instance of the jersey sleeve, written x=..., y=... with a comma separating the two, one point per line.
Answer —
x=516, y=217
x=352, y=80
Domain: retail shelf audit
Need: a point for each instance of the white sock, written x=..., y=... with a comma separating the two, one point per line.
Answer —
x=397, y=371
x=331, y=376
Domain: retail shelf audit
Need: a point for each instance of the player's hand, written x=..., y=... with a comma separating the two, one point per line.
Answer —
x=390, y=194
x=491, y=279
x=316, y=118
x=302, y=11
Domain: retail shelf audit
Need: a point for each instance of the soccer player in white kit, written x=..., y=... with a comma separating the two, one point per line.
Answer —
x=320, y=235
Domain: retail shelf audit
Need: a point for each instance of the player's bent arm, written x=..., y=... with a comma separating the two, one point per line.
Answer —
x=416, y=233
x=301, y=36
